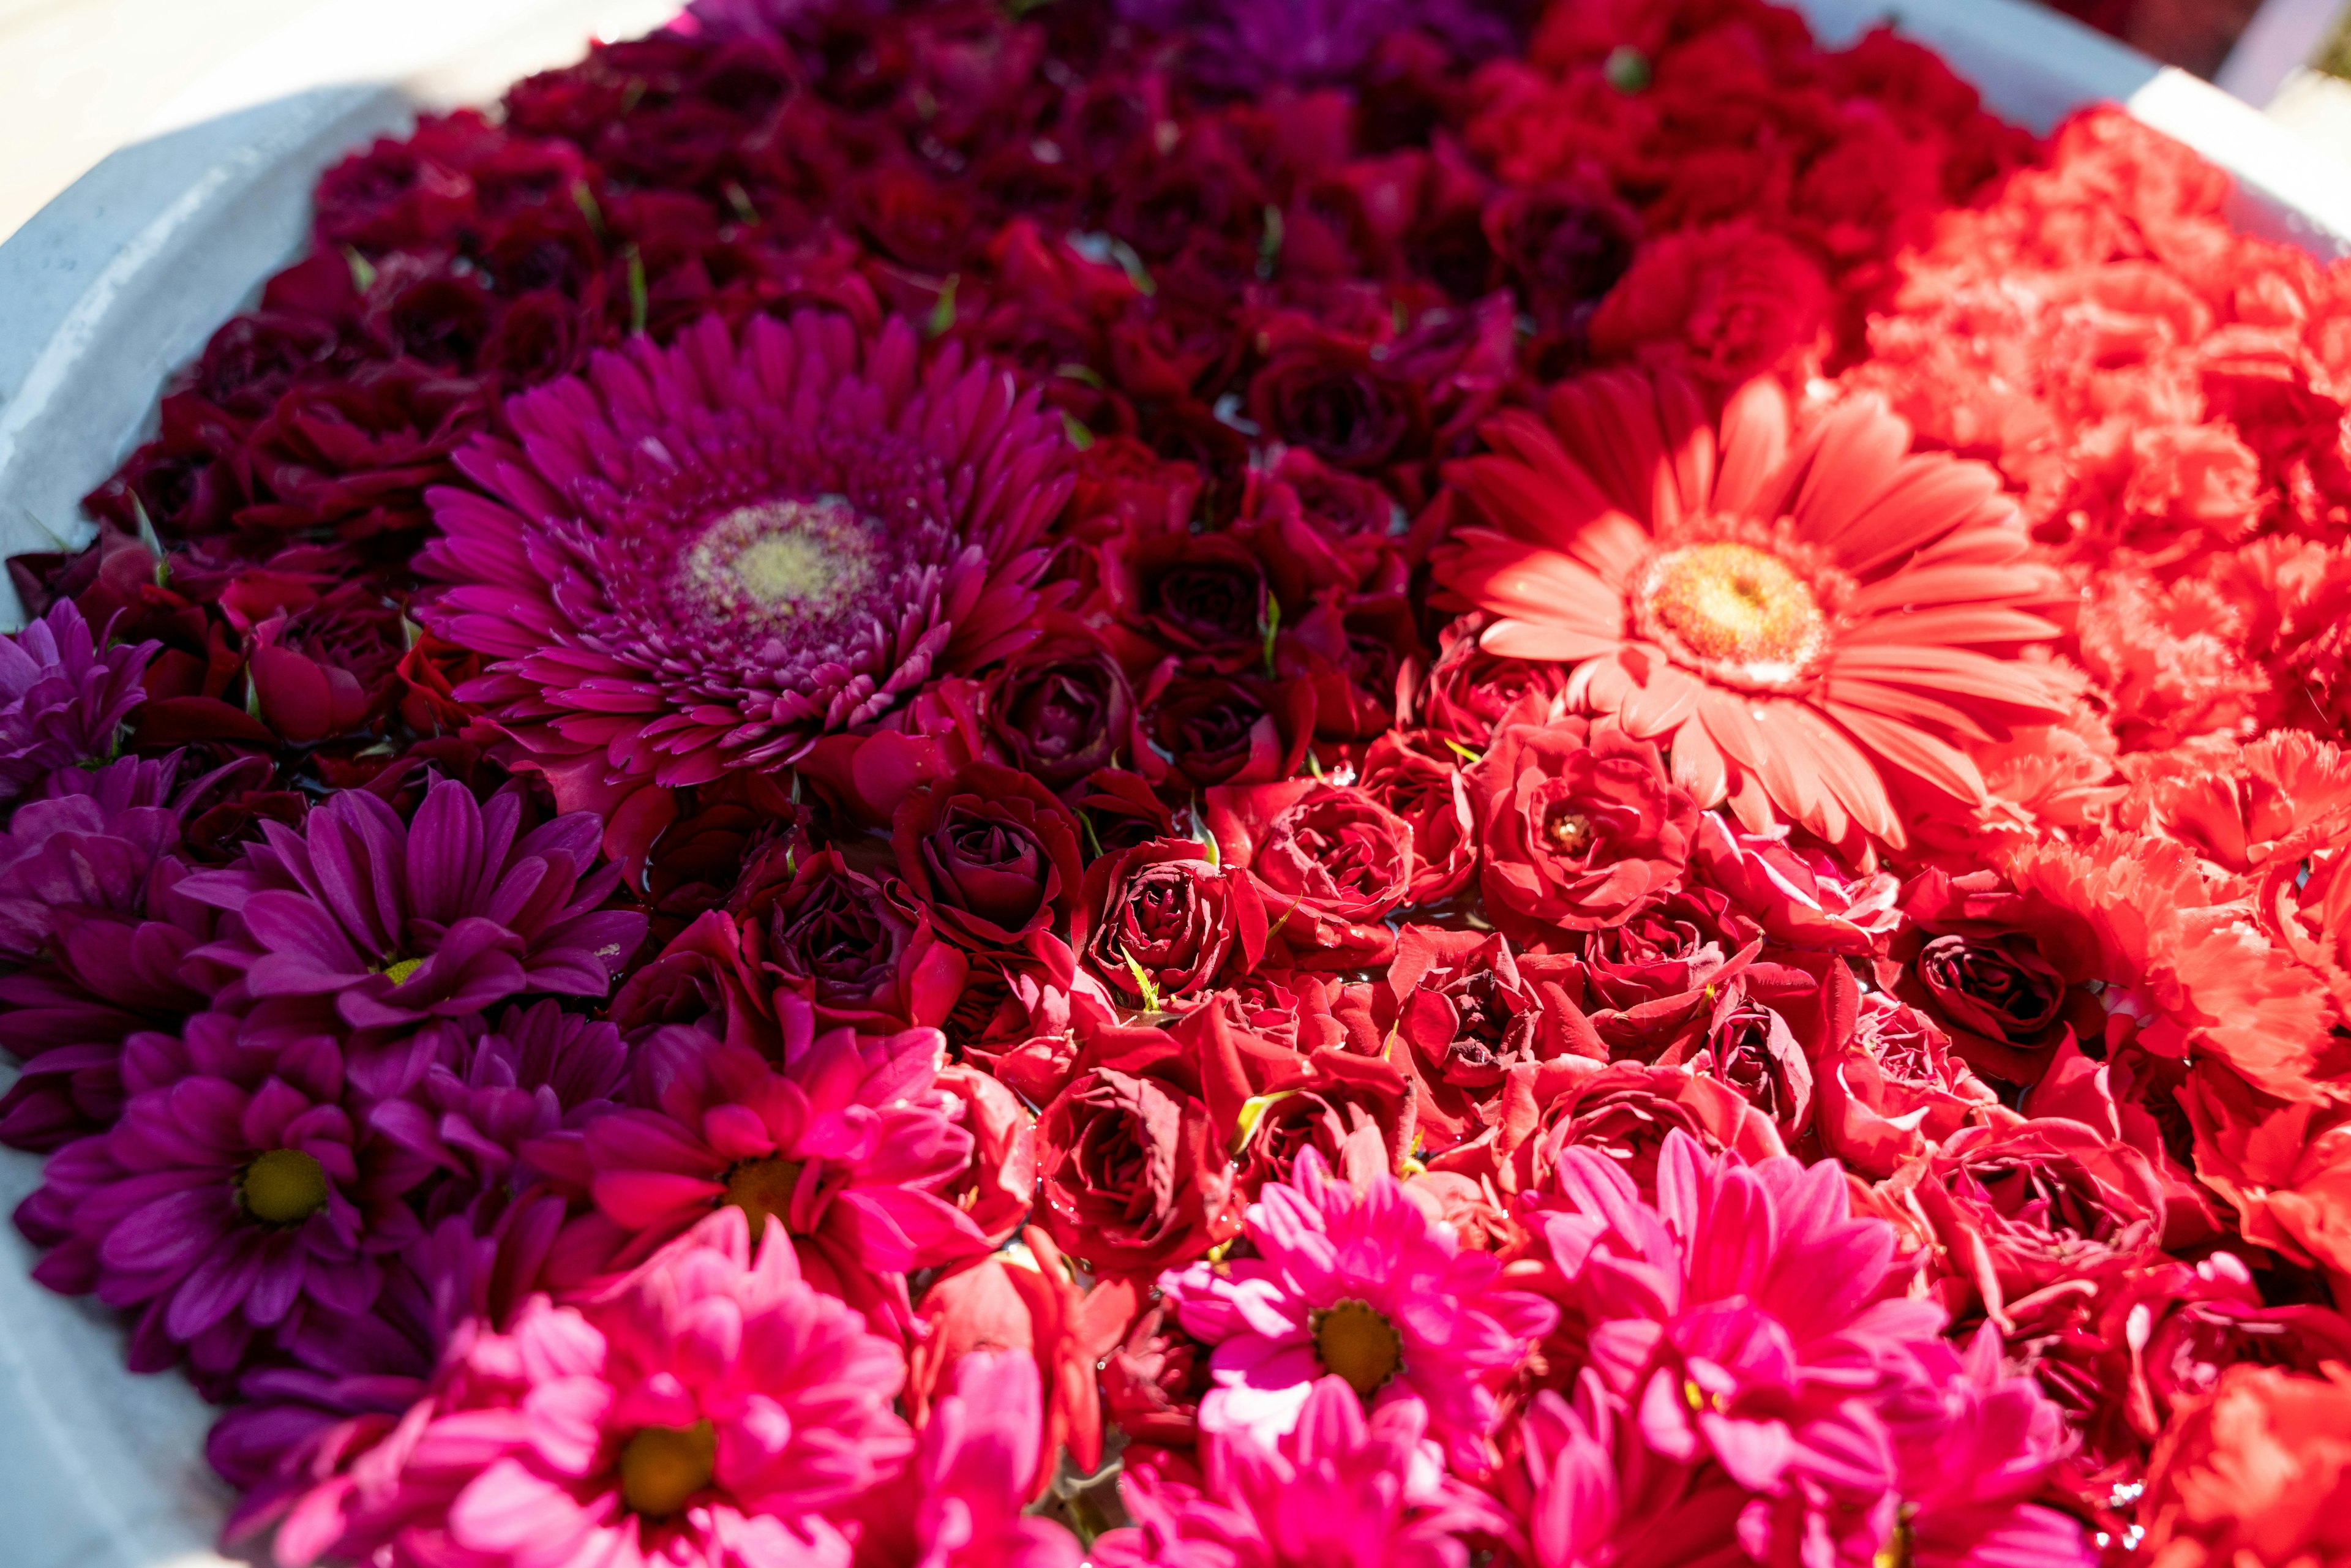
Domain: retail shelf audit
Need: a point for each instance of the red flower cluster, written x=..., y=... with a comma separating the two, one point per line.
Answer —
x=1575, y=799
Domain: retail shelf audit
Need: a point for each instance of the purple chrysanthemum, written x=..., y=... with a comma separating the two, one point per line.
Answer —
x=241, y=1188
x=488, y=1090
x=393, y=923
x=1365, y=1286
x=87, y=845
x=706, y=556
x=62, y=697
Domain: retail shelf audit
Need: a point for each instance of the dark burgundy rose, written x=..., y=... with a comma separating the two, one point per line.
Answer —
x=1201, y=592
x=1580, y=828
x=441, y=322
x=1162, y=926
x=1970, y=955
x=1134, y=1173
x=909, y=216
x=1214, y=728
x=1318, y=529
x=1329, y=395
x=1413, y=774
x=1119, y=809
x=1356, y=653
x=1331, y=862
x=990, y=852
x=1062, y=709
x=327, y=667
x=818, y=929
x=1564, y=246
x=1153, y=1382
x=356, y=455
x=541, y=336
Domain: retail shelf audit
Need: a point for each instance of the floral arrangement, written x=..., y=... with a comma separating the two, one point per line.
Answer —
x=1242, y=783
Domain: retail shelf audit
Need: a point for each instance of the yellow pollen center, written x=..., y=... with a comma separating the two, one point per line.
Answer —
x=283, y=1186
x=1569, y=831
x=662, y=1466
x=761, y=1187
x=1354, y=1342
x=778, y=561
x=1731, y=608
x=398, y=972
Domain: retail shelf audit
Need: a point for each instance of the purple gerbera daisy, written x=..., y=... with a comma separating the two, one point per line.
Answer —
x=707, y=557
x=1366, y=1286
x=62, y=697
x=390, y=922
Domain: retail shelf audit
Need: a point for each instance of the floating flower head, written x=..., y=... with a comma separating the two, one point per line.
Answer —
x=394, y=923
x=1362, y=1286
x=1793, y=619
x=712, y=1410
x=707, y=557
x=62, y=697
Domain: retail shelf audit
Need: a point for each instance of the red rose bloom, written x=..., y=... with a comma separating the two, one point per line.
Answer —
x=1468, y=1012
x=990, y=852
x=1415, y=776
x=1892, y=1086
x=1580, y=828
x=1135, y=1176
x=1331, y=862
x=1722, y=304
x=1162, y=926
x=812, y=926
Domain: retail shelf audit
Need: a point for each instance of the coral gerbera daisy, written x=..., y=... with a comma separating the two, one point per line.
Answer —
x=707, y=557
x=1795, y=618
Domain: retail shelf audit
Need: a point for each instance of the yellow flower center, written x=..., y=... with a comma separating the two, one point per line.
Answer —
x=662, y=1466
x=1733, y=612
x=1354, y=1342
x=398, y=972
x=283, y=1186
x=761, y=1187
x=779, y=562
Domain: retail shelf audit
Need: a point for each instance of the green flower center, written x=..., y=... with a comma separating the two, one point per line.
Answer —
x=283, y=1186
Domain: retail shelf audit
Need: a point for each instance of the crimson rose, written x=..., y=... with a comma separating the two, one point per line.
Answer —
x=990, y=852
x=1582, y=826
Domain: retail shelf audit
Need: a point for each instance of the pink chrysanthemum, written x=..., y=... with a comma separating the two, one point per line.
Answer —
x=706, y=556
x=387, y=923
x=1792, y=618
x=1747, y=1326
x=1362, y=1285
x=1339, y=1486
x=713, y=1410
x=849, y=1146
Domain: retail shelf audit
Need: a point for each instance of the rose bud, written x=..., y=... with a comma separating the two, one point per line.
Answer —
x=1331, y=862
x=990, y=852
x=1162, y=926
x=1061, y=709
x=814, y=928
x=1580, y=828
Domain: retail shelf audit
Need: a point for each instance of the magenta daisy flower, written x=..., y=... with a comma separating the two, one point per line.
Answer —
x=1340, y=1487
x=393, y=923
x=62, y=697
x=703, y=558
x=238, y=1189
x=1365, y=1286
x=849, y=1146
x=713, y=1410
